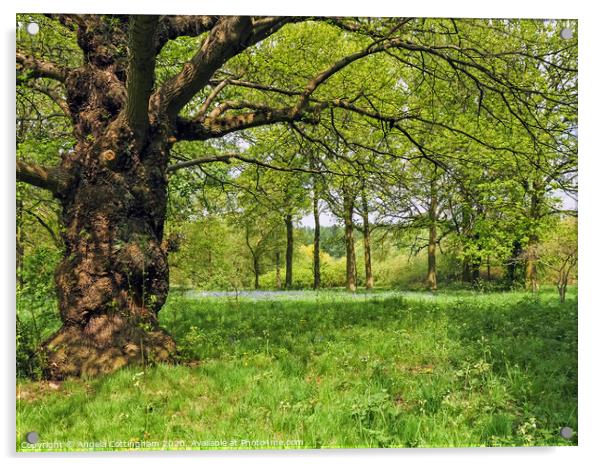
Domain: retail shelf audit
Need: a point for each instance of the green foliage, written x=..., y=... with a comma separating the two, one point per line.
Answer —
x=37, y=313
x=332, y=270
x=209, y=257
x=557, y=251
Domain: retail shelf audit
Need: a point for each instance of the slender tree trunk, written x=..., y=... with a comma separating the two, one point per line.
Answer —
x=531, y=264
x=431, y=276
x=488, y=268
x=466, y=261
x=563, y=279
x=466, y=270
x=348, y=204
x=476, y=271
x=256, y=271
x=254, y=257
x=471, y=270
x=531, y=257
x=316, y=239
x=278, y=278
x=288, y=220
x=474, y=265
x=367, y=243
x=20, y=244
x=513, y=263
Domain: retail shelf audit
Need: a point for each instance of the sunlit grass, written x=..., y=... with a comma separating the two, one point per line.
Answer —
x=331, y=370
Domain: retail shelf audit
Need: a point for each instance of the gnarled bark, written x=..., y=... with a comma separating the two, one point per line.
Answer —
x=113, y=278
x=112, y=187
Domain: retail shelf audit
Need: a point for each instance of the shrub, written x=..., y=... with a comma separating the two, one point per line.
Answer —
x=37, y=310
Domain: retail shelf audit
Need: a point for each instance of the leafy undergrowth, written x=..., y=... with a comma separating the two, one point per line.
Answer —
x=328, y=371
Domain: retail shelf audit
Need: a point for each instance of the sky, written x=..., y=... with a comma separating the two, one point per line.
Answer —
x=327, y=219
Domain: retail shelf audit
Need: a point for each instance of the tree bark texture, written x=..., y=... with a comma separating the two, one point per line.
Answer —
x=112, y=187
x=431, y=276
x=348, y=205
x=367, y=242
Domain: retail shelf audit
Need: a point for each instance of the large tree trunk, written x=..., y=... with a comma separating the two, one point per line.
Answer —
x=113, y=278
x=316, y=240
x=288, y=280
x=348, y=203
x=367, y=243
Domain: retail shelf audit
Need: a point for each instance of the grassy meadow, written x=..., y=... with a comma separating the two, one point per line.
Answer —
x=330, y=370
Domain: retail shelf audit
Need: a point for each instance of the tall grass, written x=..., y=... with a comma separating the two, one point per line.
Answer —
x=330, y=370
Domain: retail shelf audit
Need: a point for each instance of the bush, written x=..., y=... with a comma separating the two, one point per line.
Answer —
x=332, y=270
x=37, y=310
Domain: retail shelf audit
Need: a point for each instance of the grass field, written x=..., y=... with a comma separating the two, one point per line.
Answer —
x=331, y=370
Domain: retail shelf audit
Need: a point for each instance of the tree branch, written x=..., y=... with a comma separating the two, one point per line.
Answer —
x=36, y=68
x=313, y=84
x=226, y=158
x=172, y=27
x=140, y=73
x=55, y=97
x=52, y=179
x=47, y=227
x=211, y=97
x=225, y=40
x=209, y=128
x=217, y=125
x=260, y=87
x=229, y=36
